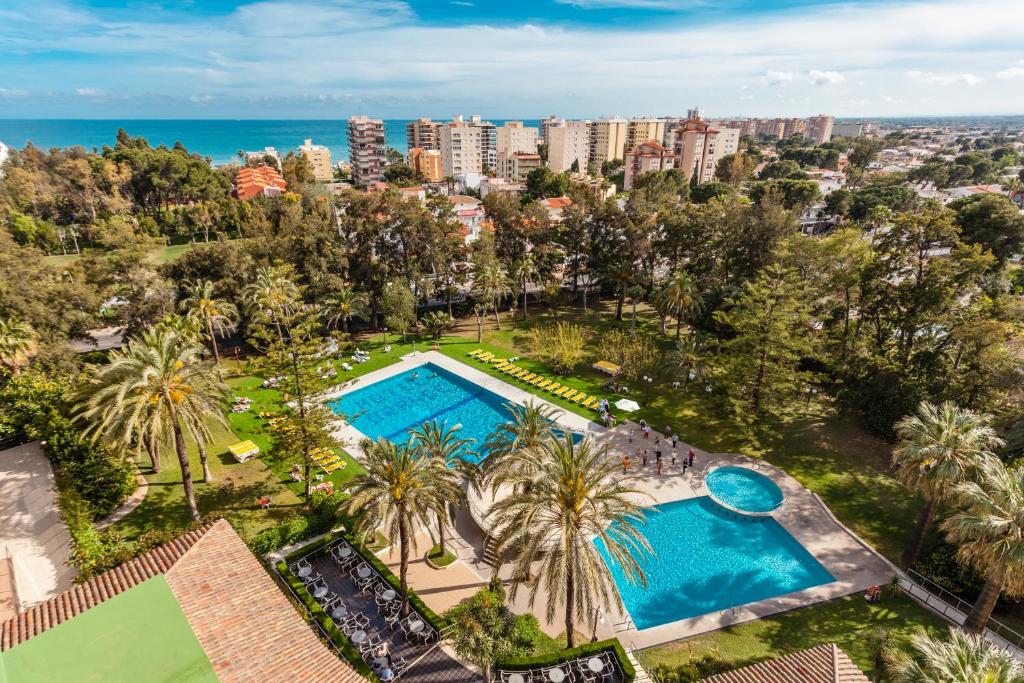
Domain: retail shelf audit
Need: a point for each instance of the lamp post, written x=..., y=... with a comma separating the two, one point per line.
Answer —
x=598, y=616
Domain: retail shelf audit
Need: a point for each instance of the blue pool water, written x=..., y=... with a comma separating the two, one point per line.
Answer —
x=391, y=407
x=744, y=489
x=707, y=558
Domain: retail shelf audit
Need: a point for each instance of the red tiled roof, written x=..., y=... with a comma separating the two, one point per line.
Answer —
x=557, y=202
x=251, y=182
x=820, y=664
x=245, y=624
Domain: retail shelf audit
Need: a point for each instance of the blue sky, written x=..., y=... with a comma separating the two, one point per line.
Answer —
x=525, y=58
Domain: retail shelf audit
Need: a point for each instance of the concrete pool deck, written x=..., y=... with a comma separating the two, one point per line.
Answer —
x=854, y=565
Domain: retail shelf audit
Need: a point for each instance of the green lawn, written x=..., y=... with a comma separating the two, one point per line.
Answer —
x=849, y=622
x=156, y=257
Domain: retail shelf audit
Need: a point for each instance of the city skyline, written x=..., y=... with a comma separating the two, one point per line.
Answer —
x=401, y=59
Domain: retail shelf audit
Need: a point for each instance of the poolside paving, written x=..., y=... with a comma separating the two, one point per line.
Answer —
x=854, y=564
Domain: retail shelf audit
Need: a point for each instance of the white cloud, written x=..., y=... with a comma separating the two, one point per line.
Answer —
x=8, y=92
x=778, y=77
x=1013, y=72
x=944, y=78
x=826, y=77
x=90, y=92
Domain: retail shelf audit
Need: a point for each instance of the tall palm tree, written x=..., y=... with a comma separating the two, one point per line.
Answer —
x=342, y=304
x=531, y=425
x=567, y=495
x=491, y=284
x=442, y=443
x=218, y=316
x=401, y=489
x=681, y=297
x=525, y=271
x=940, y=447
x=989, y=531
x=962, y=658
x=156, y=385
x=272, y=295
x=18, y=344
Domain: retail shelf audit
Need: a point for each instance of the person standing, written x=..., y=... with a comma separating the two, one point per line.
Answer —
x=675, y=441
x=691, y=456
x=625, y=464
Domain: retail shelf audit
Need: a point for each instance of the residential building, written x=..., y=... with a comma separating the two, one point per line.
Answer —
x=600, y=188
x=260, y=180
x=366, y=150
x=461, y=148
x=488, y=141
x=819, y=128
x=319, y=158
x=426, y=162
x=423, y=133
x=774, y=129
x=470, y=212
x=515, y=137
x=516, y=166
x=417, y=192
x=493, y=185
x=848, y=130
x=555, y=206
x=607, y=139
x=4, y=153
x=794, y=127
x=569, y=146
x=639, y=131
x=698, y=147
x=261, y=156
x=644, y=158
x=198, y=608
x=545, y=124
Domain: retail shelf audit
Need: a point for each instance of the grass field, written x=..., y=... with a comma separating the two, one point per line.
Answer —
x=156, y=257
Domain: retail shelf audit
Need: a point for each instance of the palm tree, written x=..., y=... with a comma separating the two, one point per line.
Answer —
x=156, y=385
x=567, y=495
x=531, y=425
x=342, y=304
x=442, y=443
x=272, y=295
x=525, y=271
x=688, y=357
x=18, y=344
x=990, y=532
x=490, y=285
x=402, y=488
x=940, y=447
x=681, y=297
x=218, y=316
x=962, y=658
x=436, y=323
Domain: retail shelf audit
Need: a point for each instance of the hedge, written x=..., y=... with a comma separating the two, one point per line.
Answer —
x=562, y=656
x=317, y=613
x=435, y=620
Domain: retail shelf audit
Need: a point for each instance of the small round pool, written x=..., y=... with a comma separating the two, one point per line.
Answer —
x=743, y=489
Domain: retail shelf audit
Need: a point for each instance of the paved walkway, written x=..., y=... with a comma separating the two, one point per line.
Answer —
x=128, y=506
x=854, y=565
x=32, y=536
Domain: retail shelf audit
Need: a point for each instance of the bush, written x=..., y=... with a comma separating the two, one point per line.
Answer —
x=611, y=645
x=321, y=518
x=693, y=670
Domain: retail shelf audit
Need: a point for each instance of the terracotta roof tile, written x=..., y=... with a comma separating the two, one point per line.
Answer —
x=820, y=664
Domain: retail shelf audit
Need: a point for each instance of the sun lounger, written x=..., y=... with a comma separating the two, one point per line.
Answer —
x=244, y=450
x=563, y=391
x=580, y=399
x=340, y=465
x=571, y=394
x=528, y=377
x=591, y=402
x=502, y=365
x=537, y=380
x=474, y=354
x=554, y=387
x=519, y=373
x=545, y=384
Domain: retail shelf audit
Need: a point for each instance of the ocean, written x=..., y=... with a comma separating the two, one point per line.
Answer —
x=218, y=139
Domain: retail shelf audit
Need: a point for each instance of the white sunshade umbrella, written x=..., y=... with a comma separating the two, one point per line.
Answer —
x=627, y=405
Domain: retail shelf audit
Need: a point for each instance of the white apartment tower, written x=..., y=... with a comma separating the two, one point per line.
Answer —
x=819, y=129
x=546, y=123
x=461, y=148
x=515, y=137
x=366, y=150
x=568, y=146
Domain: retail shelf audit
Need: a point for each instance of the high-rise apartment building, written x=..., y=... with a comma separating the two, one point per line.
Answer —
x=771, y=128
x=461, y=147
x=607, y=139
x=426, y=162
x=515, y=166
x=646, y=157
x=515, y=137
x=819, y=128
x=698, y=147
x=640, y=131
x=423, y=133
x=547, y=123
x=794, y=127
x=569, y=146
x=366, y=150
x=319, y=158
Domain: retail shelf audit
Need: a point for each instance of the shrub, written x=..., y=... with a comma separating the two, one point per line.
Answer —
x=586, y=650
x=693, y=670
x=322, y=516
x=560, y=345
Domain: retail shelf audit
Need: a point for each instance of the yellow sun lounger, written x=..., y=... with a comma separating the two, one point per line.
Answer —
x=244, y=450
x=554, y=387
x=591, y=402
x=502, y=365
x=580, y=398
x=474, y=354
x=340, y=465
x=563, y=391
x=537, y=380
x=520, y=373
x=571, y=395
x=529, y=377
x=545, y=384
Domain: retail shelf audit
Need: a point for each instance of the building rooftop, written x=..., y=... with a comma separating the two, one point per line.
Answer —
x=820, y=664
x=200, y=607
x=254, y=181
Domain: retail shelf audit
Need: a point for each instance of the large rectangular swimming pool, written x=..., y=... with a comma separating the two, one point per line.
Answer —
x=708, y=559
x=391, y=407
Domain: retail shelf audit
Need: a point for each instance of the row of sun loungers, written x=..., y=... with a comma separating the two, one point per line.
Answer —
x=327, y=460
x=554, y=388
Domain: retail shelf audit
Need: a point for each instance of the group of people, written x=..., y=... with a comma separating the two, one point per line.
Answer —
x=644, y=431
x=606, y=413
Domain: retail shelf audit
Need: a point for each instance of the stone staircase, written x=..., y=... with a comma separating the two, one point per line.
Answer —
x=641, y=674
